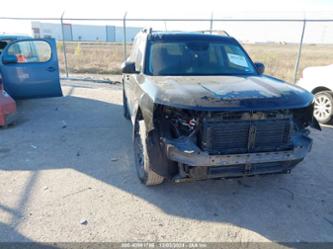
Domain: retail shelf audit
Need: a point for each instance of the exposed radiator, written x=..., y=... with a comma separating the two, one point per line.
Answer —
x=245, y=136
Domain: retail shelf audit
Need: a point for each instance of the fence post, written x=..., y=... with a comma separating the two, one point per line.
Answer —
x=211, y=23
x=125, y=42
x=64, y=43
x=299, y=53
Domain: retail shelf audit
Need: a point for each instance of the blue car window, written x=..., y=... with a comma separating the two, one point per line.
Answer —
x=30, y=51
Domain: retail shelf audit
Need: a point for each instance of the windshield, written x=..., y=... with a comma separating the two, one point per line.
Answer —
x=197, y=58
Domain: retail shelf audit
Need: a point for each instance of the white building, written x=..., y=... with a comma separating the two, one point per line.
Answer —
x=80, y=32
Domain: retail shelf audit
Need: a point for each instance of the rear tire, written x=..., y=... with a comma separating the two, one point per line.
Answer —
x=142, y=161
x=125, y=106
x=323, y=108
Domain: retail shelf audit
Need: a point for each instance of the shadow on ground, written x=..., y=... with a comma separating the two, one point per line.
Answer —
x=86, y=135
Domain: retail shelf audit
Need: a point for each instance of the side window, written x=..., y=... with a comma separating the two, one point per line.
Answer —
x=139, y=54
x=30, y=51
x=134, y=49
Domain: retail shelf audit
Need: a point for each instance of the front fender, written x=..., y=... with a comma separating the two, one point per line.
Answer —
x=159, y=162
x=144, y=109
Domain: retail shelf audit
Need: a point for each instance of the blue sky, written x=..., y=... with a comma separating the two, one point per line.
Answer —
x=186, y=9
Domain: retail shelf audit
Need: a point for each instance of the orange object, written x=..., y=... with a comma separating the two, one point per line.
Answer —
x=7, y=108
x=21, y=58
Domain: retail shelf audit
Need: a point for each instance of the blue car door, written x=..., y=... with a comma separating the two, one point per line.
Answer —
x=30, y=69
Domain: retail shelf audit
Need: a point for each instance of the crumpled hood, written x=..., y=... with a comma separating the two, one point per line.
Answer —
x=225, y=92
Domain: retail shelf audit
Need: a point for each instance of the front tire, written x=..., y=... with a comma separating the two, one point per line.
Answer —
x=323, y=108
x=142, y=161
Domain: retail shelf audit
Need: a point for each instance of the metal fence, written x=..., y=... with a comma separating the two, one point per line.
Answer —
x=209, y=21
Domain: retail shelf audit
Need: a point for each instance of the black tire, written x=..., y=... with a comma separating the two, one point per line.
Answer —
x=142, y=161
x=323, y=109
x=125, y=107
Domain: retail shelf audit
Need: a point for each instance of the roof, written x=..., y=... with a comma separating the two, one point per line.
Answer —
x=174, y=36
x=14, y=37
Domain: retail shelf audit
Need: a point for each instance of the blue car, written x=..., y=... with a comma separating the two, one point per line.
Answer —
x=29, y=67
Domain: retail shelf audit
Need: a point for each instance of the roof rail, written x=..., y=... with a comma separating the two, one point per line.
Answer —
x=216, y=32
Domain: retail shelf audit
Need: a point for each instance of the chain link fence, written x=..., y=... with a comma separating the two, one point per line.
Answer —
x=285, y=46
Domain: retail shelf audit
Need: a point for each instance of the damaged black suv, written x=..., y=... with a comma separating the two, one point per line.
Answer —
x=202, y=109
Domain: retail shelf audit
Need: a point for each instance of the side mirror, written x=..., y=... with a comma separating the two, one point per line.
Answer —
x=260, y=67
x=128, y=67
x=9, y=59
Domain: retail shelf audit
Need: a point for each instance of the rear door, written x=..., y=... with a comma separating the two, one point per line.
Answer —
x=30, y=69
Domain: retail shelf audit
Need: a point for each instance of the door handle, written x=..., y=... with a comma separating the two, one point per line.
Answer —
x=51, y=69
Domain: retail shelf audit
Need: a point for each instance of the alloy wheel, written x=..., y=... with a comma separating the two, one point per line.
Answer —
x=323, y=107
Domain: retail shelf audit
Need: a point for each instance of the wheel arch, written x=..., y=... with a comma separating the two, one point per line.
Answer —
x=321, y=89
x=160, y=164
x=144, y=110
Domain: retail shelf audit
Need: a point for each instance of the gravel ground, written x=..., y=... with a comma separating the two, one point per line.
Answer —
x=67, y=174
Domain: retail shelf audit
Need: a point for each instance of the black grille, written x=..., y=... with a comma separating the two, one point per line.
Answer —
x=245, y=136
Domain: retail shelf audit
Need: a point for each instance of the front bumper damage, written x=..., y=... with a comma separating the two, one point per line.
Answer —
x=195, y=164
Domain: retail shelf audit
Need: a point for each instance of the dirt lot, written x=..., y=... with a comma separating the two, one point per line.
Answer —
x=70, y=159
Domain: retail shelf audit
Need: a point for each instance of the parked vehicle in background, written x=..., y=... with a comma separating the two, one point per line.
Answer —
x=29, y=67
x=201, y=109
x=319, y=81
x=7, y=108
